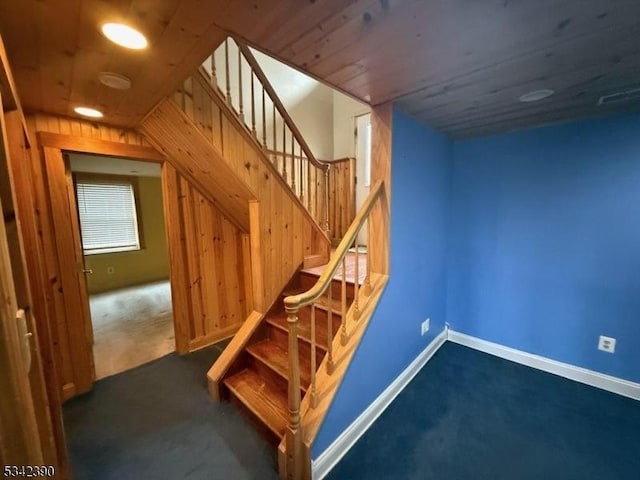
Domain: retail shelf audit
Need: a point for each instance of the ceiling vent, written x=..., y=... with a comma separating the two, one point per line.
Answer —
x=115, y=80
x=625, y=96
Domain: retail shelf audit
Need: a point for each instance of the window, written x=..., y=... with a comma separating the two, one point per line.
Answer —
x=108, y=220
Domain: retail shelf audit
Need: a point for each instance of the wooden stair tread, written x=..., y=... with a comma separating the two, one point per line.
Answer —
x=277, y=358
x=266, y=402
x=304, y=329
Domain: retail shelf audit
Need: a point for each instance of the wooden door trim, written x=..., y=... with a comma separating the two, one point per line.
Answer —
x=99, y=147
x=77, y=309
x=53, y=146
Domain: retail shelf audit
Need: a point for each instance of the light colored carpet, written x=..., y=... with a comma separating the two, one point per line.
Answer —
x=131, y=326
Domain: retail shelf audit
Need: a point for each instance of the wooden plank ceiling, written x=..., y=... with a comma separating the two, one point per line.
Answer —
x=458, y=65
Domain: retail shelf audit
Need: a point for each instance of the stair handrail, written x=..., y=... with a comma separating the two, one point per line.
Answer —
x=303, y=173
x=293, y=304
x=255, y=66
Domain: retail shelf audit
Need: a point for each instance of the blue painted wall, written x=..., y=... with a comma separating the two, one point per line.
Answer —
x=420, y=183
x=545, y=242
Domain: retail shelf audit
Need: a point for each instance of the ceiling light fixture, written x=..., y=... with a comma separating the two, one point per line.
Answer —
x=88, y=112
x=124, y=36
x=115, y=80
x=536, y=95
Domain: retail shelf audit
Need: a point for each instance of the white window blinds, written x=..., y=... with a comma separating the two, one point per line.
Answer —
x=108, y=221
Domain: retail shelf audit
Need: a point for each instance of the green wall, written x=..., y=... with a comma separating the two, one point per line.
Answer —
x=149, y=264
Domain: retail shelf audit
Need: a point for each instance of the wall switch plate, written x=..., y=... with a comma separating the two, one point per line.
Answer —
x=607, y=344
x=110, y=270
x=424, y=327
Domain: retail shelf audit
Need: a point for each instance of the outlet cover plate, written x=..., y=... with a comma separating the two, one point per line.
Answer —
x=424, y=328
x=607, y=344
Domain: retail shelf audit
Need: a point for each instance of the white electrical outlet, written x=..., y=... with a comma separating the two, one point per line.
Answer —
x=110, y=270
x=607, y=344
x=424, y=327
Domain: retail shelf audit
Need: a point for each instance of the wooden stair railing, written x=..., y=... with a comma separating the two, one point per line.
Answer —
x=248, y=92
x=350, y=313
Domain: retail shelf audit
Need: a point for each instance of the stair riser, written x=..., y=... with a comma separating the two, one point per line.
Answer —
x=268, y=374
x=322, y=318
x=304, y=349
x=304, y=334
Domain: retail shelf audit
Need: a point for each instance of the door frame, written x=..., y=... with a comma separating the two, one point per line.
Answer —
x=68, y=243
x=363, y=166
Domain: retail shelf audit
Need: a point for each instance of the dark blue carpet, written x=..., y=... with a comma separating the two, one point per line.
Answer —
x=157, y=422
x=468, y=415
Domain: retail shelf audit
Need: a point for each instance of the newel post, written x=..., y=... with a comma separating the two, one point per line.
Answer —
x=294, y=432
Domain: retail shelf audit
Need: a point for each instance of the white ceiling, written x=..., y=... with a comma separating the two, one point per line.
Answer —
x=112, y=165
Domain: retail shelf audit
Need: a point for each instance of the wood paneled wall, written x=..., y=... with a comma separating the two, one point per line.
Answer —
x=282, y=233
x=342, y=197
x=31, y=429
x=47, y=395
x=20, y=441
x=209, y=257
x=74, y=376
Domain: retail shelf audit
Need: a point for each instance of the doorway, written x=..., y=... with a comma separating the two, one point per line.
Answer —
x=125, y=260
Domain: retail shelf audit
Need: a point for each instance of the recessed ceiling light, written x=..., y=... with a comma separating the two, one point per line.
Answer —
x=115, y=80
x=88, y=112
x=536, y=95
x=124, y=36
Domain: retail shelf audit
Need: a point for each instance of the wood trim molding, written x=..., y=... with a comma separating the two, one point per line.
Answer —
x=236, y=346
x=380, y=221
x=99, y=147
x=176, y=250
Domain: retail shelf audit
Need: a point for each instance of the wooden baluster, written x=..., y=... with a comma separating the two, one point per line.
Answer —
x=300, y=177
x=308, y=184
x=367, y=278
x=253, y=106
x=264, y=121
x=330, y=365
x=314, y=393
x=294, y=432
x=226, y=69
x=316, y=199
x=284, y=151
x=303, y=195
x=240, y=86
x=326, y=199
x=356, y=286
x=343, y=305
x=275, y=143
x=214, y=78
x=293, y=164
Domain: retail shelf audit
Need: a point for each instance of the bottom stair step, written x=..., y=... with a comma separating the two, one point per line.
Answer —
x=266, y=402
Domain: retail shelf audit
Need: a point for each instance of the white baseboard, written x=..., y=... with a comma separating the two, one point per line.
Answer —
x=341, y=445
x=578, y=374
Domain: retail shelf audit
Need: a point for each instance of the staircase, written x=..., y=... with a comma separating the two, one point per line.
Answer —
x=227, y=132
x=259, y=379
